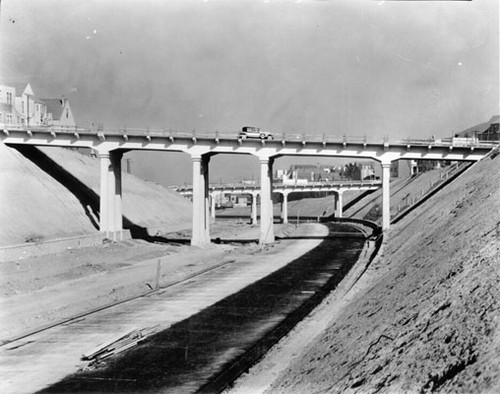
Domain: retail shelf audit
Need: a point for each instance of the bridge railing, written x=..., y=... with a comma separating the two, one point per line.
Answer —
x=232, y=135
x=228, y=186
x=452, y=141
x=166, y=132
x=299, y=137
x=46, y=129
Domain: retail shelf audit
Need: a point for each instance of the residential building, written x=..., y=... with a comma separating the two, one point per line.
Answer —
x=403, y=168
x=7, y=104
x=24, y=104
x=20, y=106
x=304, y=173
x=487, y=131
x=368, y=170
x=60, y=112
x=492, y=133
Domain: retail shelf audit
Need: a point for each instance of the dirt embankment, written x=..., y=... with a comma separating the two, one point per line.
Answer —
x=33, y=206
x=425, y=316
x=58, y=197
x=145, y=204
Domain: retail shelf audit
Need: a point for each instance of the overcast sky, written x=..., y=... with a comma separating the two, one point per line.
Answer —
x=356, y=67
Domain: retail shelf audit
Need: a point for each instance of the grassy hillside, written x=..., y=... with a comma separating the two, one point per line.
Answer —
x=425, y=317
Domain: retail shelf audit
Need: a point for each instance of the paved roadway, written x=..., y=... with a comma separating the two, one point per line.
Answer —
x=31, y=364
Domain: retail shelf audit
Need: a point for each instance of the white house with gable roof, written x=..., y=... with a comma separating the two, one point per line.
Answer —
x=60, y=112
x=20, y=106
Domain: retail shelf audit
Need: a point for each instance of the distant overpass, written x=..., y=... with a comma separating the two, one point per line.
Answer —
x=110, y=144
x=338, y=187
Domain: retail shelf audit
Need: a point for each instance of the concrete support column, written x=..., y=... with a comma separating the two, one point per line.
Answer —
x=386, y=196
x=284, y=207
x=254, y=208
x=104, y=203
x=201, y=232
x=266, y=202
x=116, y=187
x=212, y=206
x=110, y=199
x=339, y=204
x=205, y=170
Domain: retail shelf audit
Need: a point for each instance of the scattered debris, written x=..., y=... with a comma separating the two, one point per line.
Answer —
x=120, y=344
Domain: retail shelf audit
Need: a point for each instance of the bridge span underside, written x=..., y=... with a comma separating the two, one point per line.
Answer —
x=111, y=144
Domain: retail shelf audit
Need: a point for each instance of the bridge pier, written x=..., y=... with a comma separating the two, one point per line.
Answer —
x=386, y=195
x=110, y=199
x=284, y=207
x=201, y=232
x=266, y=201
x=339, y=204
x=254, y=207
x=212, y=205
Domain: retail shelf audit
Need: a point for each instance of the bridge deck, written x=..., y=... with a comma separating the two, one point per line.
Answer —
x=283, y=138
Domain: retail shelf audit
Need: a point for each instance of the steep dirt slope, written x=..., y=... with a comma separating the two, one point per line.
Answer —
x=145, y=203
x=37, y=207
x=34, y=207
x=426, y=315
x=404, y=191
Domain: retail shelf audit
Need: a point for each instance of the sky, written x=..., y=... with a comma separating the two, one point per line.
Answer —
x=391, y=69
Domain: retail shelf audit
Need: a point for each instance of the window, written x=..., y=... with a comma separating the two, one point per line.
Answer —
x=9, y=98
x=67, y=113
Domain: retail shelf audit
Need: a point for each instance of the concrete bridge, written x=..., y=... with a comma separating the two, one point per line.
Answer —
x=337, y=187
x=110, y=144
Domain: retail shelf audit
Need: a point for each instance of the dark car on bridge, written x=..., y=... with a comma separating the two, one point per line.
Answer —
x=254, y=132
